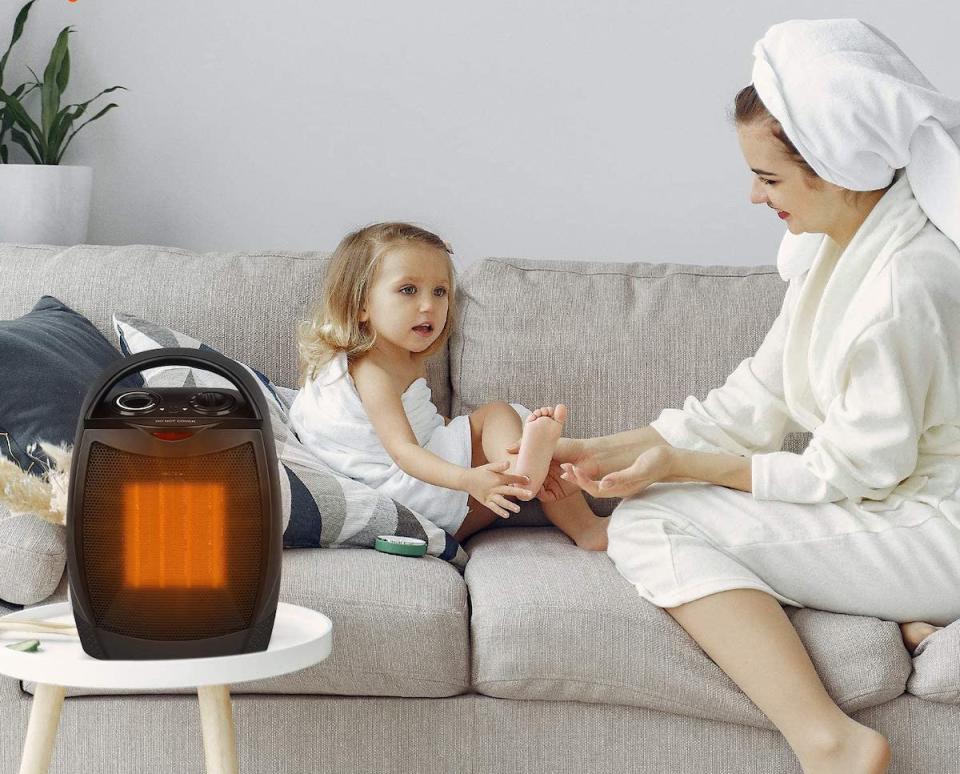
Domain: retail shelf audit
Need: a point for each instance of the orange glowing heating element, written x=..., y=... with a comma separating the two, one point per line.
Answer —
x=174, y=534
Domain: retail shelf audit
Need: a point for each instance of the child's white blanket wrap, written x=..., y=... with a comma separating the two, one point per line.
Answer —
x=330, y=420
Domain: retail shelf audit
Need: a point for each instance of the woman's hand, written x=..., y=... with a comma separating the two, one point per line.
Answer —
x=489, y=485
x=655, y=464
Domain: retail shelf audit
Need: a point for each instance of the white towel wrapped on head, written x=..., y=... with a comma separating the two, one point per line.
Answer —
x=857, y=109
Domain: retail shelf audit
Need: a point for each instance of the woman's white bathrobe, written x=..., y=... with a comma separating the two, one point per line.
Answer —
x=865, y=354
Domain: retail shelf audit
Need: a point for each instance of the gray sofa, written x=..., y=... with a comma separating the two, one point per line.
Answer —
x=540, y=657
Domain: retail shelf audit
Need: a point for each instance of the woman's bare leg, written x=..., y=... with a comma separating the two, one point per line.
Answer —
x=748, y=635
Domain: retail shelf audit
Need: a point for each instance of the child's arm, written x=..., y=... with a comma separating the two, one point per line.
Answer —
x=385, y=409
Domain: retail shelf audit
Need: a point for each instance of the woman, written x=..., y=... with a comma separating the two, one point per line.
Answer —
x=853, y=149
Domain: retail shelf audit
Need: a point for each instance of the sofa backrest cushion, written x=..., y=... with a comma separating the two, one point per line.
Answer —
x=244, y=304
x=615, y=342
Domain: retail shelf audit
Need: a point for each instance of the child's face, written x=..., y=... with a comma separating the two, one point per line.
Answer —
x=409, y=291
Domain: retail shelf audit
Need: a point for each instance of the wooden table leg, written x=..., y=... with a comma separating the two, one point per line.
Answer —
x=219, y=737
x=42, y=730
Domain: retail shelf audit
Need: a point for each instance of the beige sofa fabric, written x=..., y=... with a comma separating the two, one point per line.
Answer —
x=399, y=625
x=32, y=557
x=552, y=622
x=936, y=667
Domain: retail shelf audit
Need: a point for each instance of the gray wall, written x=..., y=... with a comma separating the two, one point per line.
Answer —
x=542, y=129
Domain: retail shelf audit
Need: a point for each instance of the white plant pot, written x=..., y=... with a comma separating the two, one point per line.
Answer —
x=44, y=203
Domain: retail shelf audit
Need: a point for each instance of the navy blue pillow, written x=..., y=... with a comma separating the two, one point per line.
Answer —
x=49, y=358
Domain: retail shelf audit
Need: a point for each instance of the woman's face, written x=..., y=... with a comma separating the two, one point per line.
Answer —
x=408, y=298
x=804, y=204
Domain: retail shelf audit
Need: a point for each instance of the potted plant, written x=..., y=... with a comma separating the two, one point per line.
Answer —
x=43, y=202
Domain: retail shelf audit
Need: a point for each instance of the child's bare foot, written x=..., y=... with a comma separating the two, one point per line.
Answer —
x=541, y=432
x=914, y=632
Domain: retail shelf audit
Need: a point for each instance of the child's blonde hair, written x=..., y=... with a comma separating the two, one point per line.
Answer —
x=334, y=325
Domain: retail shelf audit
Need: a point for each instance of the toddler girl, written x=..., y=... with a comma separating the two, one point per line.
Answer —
x=364, y=407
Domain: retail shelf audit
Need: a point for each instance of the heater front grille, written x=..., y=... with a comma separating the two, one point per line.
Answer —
x=172, y=548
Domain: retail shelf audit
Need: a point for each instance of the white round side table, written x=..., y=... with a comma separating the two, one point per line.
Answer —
x=301, y=638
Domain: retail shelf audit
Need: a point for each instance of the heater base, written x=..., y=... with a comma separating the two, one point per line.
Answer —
x=101, y=644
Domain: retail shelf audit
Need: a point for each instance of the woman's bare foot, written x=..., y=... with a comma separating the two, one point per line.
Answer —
x=541, y=432
x=860, y=750
x=914, y=632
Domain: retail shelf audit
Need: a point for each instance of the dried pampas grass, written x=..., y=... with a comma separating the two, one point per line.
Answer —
x=44, y=496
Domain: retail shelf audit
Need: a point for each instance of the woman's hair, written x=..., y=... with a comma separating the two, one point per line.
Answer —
x=749, y=109
x=334, y=325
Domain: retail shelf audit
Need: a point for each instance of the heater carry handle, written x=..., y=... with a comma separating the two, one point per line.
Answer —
x=205, y=360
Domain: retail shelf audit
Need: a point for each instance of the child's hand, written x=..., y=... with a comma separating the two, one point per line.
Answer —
x=488, y=484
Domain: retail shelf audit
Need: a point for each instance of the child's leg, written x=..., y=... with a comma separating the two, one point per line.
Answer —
x=493, y=427
x=573, y=516
x=496, y=425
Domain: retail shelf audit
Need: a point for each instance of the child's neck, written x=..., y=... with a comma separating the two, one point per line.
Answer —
x=396, y=359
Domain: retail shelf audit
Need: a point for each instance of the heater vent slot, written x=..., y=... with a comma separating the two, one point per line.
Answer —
x=173, y=548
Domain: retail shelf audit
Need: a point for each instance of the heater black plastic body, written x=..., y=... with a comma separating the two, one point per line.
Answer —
x=174, y=529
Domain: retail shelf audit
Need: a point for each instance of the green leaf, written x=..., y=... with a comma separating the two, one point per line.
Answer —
x=20, y=117
x=105, y=91
x=17, y=32
x=64, y=75
x=65, y=120
x=50, y=93
x=28, y=646
x=108, y=107
x=61, y=126
x=24, y=142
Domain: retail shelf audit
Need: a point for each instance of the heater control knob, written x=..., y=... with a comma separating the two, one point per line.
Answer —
x=212, y=402
x=137, y=401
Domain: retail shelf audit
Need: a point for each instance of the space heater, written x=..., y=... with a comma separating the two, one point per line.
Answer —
x=174, y=531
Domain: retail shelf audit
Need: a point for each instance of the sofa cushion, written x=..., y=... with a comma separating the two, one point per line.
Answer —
x=615, y=342
x=936, y=667
x=48, y=359
x=553, y=622
x=244, y=304
x=399, y=626
x=33, y=553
